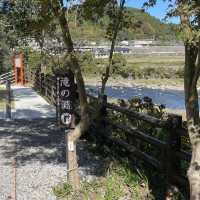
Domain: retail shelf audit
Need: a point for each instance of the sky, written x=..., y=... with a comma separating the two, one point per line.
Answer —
x=158, y=11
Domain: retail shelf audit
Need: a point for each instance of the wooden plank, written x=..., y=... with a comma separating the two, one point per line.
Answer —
x=184, y=155
x=183, y=131
x=140, y=116
x=139, y=134
x=131, y=149
x=182, y=181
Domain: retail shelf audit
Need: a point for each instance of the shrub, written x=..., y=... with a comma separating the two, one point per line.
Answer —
x=118, y=62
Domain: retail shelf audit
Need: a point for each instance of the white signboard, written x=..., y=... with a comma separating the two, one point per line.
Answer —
x=17, y=62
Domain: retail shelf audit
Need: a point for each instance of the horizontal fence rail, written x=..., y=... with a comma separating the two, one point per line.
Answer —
x=170, y=152
x=7, y=77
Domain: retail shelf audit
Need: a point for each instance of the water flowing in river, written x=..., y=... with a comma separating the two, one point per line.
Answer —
x=172, y=99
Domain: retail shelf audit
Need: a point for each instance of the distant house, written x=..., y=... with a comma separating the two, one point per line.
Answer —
x=101, y=53
x=104, y=52
x=122, y=50
x=143, y=43
x=93, y=43
x=125, y=43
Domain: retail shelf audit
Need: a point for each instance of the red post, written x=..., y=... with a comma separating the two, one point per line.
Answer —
x=15, y=69
x=21, y=68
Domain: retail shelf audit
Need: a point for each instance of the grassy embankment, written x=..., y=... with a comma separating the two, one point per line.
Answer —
x=155, y=70
x=119, y=179
x=149, y=70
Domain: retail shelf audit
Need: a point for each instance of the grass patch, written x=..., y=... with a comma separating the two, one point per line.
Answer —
x=155, y=59
x=120, y=181
x=2, y=97
x=138, y=67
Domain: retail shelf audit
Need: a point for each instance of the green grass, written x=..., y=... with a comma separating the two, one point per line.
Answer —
x=139, y=67
x=118, y=182
x=2, y=97
x=156, y=59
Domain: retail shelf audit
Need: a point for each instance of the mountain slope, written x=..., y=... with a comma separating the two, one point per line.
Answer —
x=142, y=26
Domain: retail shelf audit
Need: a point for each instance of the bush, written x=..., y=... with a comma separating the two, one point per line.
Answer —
x=87, y=58
x=118, y=63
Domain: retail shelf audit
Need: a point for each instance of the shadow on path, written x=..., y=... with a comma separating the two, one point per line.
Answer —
x=41, y=140
x=28, y=141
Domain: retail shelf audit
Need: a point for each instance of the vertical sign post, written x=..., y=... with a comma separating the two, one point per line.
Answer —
x=66, y=91
x=8, y=100
x=65, y=101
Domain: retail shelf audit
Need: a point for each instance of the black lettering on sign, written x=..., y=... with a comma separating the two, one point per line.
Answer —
x=66, y=99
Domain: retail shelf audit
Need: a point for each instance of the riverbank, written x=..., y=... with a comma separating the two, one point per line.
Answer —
x=163, y=91
x=169, y=84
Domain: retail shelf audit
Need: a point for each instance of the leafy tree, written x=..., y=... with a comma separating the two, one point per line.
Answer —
x=30, y=18
x=116, y=14
x=7, y=38
x=189, y=13
x=115, y=10
x=34, y=19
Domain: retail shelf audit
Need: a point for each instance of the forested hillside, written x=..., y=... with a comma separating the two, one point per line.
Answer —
x=141, y=25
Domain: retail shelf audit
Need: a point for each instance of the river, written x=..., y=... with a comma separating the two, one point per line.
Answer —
x=172, y=99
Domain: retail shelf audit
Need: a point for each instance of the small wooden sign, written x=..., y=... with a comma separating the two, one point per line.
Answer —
x=65, y=99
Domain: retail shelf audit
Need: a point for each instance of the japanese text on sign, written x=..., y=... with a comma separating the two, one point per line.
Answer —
x=65, y=88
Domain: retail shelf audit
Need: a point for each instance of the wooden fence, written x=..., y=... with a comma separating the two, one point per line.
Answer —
x=9, y=76
x=45, y=84
x=170, y=156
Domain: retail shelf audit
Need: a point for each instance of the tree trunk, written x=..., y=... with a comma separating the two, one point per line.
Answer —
x=192, y=113
x=83, y=125
x=106, y=76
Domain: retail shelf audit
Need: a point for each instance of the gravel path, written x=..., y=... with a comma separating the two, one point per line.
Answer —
x=30, y=105
x=39, y=149
x=37, y=145
x=2, y=114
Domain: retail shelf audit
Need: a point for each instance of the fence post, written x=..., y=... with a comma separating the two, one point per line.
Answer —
x=104, y=108
x=8, y=100
x=57, y=101
x=52, y=94
x=173, y=162
x=29, y=75
x=36, y=79
x=41, y=82
x=32, y=77
x=103, y=113
x=46, y=85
